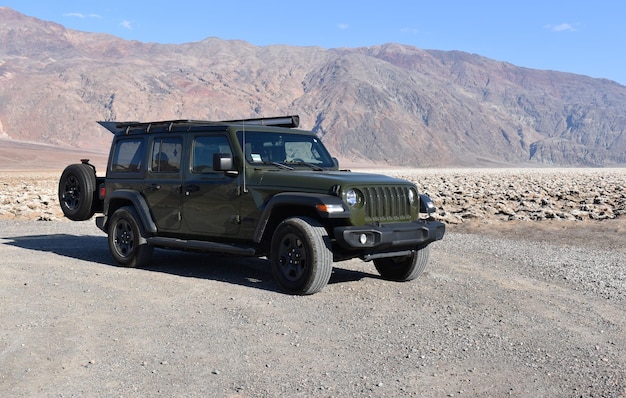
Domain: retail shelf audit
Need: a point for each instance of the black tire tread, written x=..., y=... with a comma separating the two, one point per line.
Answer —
x=142, y=252
x=403, y=269
x=321, y=253
x=86, y=180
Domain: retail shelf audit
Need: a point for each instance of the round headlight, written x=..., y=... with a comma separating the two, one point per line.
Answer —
x=352, y=197
x=412, y=196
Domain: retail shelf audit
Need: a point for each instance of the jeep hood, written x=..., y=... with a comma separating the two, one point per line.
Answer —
x=321, y=181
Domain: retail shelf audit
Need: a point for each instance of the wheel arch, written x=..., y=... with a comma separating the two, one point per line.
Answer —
x=127, y=197
x=291, y=204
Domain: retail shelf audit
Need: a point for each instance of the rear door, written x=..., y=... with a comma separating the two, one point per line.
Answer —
x=163, y=182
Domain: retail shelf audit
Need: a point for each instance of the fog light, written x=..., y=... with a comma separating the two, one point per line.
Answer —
x=363, y=239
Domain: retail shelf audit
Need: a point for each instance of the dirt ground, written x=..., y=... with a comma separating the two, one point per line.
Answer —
x=607, y=235
x=520, y=309
x=502, y=310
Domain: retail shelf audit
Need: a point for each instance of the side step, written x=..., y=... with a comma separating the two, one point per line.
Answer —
x=201, y=245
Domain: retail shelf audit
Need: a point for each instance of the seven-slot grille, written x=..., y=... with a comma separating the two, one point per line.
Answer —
x=386, y=203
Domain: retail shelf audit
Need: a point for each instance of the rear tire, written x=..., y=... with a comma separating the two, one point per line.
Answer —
x=77, y=192
x=300, y=256
x=126, y=243
x=403, y=268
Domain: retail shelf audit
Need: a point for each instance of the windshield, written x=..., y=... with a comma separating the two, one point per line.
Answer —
x=284, y=148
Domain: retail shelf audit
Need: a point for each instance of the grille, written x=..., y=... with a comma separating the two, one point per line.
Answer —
x=386, y=203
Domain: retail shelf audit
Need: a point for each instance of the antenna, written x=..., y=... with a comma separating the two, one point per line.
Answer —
x=245, y=160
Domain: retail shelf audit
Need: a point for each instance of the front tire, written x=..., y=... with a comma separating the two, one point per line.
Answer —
x=126, y=243
x=404, y=268
x=77, y=191
x=300, y=255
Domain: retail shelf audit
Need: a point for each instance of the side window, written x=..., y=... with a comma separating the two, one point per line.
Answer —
x=204, y=147
x=166, y=155
x=128, y=156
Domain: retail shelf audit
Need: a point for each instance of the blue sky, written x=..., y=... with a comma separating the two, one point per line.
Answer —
x=575, y=36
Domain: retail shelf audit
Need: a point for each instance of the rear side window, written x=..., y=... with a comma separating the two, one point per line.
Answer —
x=166, y=154
x=128, y=156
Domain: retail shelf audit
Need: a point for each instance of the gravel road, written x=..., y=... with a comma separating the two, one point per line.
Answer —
x=520, y=312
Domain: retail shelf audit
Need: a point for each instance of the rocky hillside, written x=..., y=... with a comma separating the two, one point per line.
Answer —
x=390, y=104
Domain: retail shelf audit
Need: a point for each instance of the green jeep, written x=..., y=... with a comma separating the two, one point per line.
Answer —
x=252, y=187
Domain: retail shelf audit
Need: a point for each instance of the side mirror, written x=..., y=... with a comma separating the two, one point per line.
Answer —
x=336, y=162
x=426, y=205
x=223, y=162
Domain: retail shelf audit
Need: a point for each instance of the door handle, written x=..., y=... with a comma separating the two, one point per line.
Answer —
x=153, y=187
x=191, y=188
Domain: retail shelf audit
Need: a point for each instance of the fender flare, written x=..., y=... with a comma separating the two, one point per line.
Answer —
x=326, y=206
x=140, y=205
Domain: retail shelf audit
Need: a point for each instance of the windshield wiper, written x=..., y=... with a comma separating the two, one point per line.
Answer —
x=279, y=165
x=310, y=165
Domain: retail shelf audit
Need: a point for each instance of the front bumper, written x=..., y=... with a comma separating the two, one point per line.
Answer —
x=390, y=237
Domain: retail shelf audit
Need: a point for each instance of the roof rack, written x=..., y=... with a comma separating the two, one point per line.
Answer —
x=291, y=121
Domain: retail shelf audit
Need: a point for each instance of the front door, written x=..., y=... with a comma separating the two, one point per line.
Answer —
x=210, y=198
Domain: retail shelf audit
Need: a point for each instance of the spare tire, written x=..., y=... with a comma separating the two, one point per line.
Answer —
x=77, y=191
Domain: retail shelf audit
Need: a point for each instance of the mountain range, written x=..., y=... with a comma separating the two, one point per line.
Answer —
x=389, y=104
